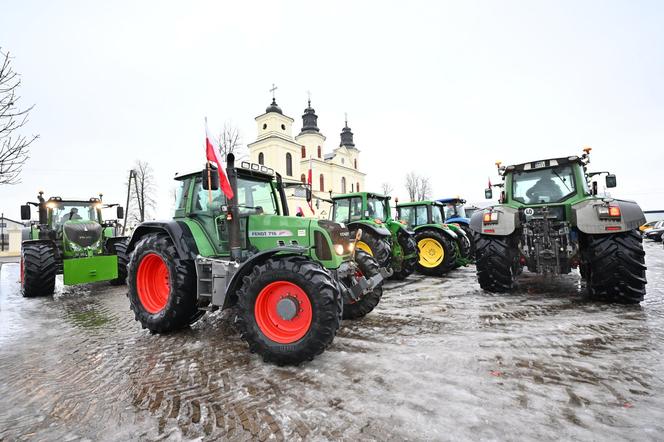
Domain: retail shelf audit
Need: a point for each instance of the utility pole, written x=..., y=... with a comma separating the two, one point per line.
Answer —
x=132, y=174
x=2, y=232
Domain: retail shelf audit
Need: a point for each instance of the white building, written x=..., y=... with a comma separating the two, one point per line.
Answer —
x=337, y=171
x=10, y=237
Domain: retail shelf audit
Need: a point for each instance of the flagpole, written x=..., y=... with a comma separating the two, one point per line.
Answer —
x=209, y=186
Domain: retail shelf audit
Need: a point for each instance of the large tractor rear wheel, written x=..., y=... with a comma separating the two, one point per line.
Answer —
x=496, y=258
x=436, y=252
x=408, y=247
x=367, y=267
x=615, y=268
x=471, y=239
x=162, y=287
x=376, y=246
x=288, y=310
x=119, y=249
x=38, y=269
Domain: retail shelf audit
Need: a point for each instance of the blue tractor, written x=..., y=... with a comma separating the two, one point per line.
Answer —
x=455, y=213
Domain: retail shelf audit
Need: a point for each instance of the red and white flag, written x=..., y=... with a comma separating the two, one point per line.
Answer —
x=212, y=154
x=310, y=182
x=489, y=183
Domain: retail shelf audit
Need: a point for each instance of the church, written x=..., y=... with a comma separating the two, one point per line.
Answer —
x=337, y=171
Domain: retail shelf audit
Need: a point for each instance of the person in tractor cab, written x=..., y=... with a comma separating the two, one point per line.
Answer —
x=545, y=190
x=72, y=215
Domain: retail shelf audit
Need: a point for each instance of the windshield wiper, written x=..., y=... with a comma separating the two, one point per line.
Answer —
x=561, y=179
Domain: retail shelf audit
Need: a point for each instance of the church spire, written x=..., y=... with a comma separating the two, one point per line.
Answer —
x=309, y=119
x=346, y=135
x=273, y=107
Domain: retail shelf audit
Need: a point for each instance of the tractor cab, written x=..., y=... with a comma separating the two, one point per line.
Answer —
x=455, y=211
x=361, y=206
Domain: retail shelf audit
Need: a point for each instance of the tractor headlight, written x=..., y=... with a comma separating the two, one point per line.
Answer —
x=339, y=249
x=351, y=247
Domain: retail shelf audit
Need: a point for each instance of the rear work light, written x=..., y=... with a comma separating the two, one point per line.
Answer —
x=490, y=217
x=614, y=211
x=609, y=212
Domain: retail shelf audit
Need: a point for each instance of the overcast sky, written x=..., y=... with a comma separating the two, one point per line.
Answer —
x=443, y=88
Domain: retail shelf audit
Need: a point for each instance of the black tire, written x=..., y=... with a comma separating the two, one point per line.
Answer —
x=471, y=239
x=39, y=266
x=319, y=288
x=408, y=247
x=379, y=247
x=119, y=249
x=180, y=306
x=616, y=269
x=497, y=261
x=448, y=248
x=368, y=267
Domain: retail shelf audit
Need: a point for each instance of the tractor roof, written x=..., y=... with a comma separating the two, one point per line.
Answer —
x=359, y=194
x=420, y=203
x=58, y=199
x=240, y=171
x=454, y=200
x=541, y=164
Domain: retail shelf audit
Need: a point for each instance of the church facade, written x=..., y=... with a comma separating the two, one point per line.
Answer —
x=337, y=171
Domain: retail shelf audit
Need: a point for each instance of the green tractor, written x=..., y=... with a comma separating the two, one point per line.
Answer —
x=551, y=219
x=384, y=238
x=442, y=247
x=71, y=238
x=291, y=279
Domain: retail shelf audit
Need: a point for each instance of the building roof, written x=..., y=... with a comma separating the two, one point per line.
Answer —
x=273, y=107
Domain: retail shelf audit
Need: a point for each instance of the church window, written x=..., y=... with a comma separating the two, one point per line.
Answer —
x=355, y=162
x=264, y=126
x=283, y=127
x=289, y=164
x=303, y=178
x=343, y=185
x=322, y=183
x=261, y=158
x=319, y=151
x=304, y=152
x=357, y=187
x=352, y=187
x=342, y=161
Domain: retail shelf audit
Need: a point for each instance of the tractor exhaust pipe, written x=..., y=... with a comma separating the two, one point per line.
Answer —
x=233, y=216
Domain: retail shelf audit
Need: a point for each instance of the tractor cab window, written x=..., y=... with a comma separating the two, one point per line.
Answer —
x=437, y=216
x=454, y=211
x=341, y=210
x=543, y=186
x=377, y=208
x=63, y=212
x=256, y=197
x=414, y=215
x=202, y=198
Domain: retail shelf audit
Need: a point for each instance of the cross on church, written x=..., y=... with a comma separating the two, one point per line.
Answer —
x=274, y=88
x=309, y=97
x=346, y=118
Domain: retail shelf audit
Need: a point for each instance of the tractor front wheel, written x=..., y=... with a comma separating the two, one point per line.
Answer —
x=436, y=252
x=162, y=287
x=408, y=248
x=288, y=310
x=119, y=249
x=376, y=246
x=496, y=258
x=367, y=267
x=615, y=269
x=38, y=269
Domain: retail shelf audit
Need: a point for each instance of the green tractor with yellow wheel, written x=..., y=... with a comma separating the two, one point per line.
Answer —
x=71, y=238
x=291, y=279
x=384, y=238
x=442, y=247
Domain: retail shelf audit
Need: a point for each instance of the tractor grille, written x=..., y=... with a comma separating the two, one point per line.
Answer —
x=83, y=234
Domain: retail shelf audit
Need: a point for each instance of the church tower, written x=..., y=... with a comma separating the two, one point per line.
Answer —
x=310, y=139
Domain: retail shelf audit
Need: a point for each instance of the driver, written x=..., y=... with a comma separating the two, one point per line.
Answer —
x=73, y=214
x=544, y=188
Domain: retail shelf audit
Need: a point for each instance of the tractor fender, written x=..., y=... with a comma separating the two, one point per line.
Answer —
x=586, y=218
x=378, y=230
x=458, y=220
x=508, y=221
x=437, y=228
x=178, y=232
x=247, y=266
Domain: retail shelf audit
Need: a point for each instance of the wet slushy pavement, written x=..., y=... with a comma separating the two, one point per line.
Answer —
x=438, y=359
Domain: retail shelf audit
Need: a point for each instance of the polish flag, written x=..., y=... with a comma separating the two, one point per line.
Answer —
x=310, y=182
x=212, y=154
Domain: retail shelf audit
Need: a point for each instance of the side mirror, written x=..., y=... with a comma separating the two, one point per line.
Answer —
x=488, y=193
x=210, y=181
x=611, y=180
x=120, y=212
x=25, y=212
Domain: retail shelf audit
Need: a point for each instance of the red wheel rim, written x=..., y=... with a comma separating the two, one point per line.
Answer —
x=272, y=323
x=152, y=283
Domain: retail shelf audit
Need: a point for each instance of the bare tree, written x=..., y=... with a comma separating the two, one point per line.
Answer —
x=142, y=191
x=412, y=185
x=13, y=148
x=230, y=141
x=424, y=189
x=386, y=188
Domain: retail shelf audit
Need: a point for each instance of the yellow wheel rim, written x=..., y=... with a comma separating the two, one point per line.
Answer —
x=432, y=252
x=364, y=247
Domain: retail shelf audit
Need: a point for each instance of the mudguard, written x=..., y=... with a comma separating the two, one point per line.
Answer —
x=586, y=219
x=378, y=230
x=178, y=231
x=458, y=220
x=508, y=221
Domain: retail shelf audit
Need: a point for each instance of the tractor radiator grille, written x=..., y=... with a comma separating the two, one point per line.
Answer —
x=83, y=234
